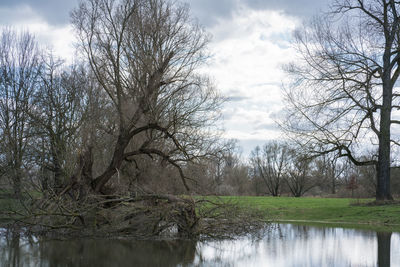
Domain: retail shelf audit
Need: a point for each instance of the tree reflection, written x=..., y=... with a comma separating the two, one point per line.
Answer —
x=285, y=245
x=18, y=250
x=10, y=248
x=118, y=253
x=384, y=239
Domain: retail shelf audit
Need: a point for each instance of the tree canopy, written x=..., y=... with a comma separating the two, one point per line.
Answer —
x=343, y=96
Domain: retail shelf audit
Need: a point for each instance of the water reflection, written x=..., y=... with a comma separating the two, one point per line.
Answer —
x=98, y=253
x=283, y=245
x=384, y=242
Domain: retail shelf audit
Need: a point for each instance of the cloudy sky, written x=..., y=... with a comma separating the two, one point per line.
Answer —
x=251, y=41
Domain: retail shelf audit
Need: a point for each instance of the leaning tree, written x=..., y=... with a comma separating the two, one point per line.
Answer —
x=145, y=55
x=343, y=96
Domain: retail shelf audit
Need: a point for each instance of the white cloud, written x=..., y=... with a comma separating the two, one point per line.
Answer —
x=60, y=39
x=249, y=50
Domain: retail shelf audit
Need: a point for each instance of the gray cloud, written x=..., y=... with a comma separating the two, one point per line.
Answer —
x=55, y=12
x=266, y=126
x=300, y=8
x=236, y=98
x=207, y=11
x=235, y=95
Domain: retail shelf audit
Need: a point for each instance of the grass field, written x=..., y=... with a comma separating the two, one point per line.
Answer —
x=342, y=212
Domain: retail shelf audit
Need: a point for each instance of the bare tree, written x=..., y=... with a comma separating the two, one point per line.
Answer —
x=299, y=174
x=57, y=114
x=19, y=70
x=270, y=165
x=232, y=172
x=343, y=94
x=330, y=170
x=144, y=54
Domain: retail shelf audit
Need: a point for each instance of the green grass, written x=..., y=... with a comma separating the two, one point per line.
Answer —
x=325, y=211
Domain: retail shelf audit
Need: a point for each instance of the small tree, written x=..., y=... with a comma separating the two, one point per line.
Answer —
x=299, y=176
x=270, y=165
x=330, y=171
x=352, y=184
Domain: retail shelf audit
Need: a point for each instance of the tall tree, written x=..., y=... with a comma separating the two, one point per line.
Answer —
x=144, y=54
x=343, y=93
x=57, y=114
x=20, y=67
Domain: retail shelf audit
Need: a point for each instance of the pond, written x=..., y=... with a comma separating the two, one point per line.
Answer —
x=280, y=245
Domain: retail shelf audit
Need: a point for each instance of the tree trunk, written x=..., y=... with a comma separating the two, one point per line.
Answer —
x=57, y=168
x=81, y=180
x=57, y=173
x=115, y=164
x=17, y=181
x=17, y=186
x=383, y=168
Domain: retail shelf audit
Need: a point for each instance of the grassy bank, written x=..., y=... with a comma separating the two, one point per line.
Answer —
x=341, y=212
x=335, y=212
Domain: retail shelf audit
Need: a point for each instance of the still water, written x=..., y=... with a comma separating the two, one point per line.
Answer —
x=281, y=245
